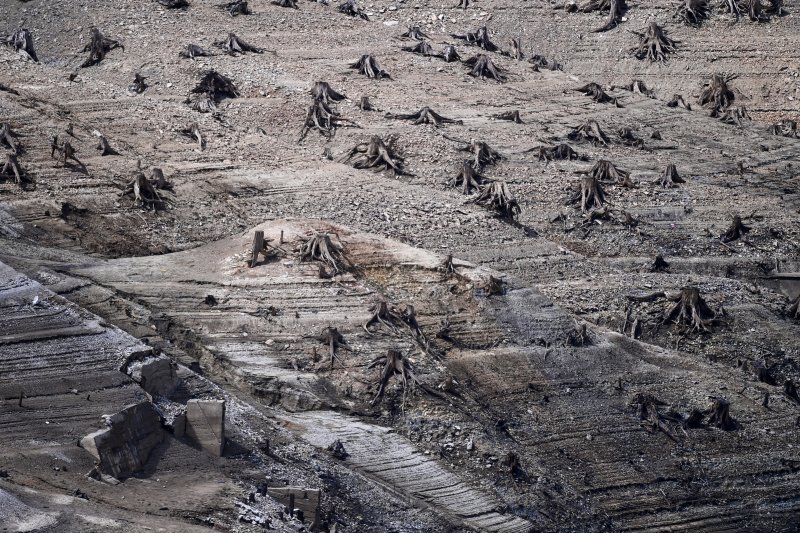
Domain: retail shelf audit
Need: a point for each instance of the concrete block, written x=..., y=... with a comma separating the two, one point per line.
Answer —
x=205, y=424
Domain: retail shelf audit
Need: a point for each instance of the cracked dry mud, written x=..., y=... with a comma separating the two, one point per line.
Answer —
x=549, y=374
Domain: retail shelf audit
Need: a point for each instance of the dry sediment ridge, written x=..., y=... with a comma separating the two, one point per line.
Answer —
x=566, y=409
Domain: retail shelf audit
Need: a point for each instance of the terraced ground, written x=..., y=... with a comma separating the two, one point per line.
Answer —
x=514, y=426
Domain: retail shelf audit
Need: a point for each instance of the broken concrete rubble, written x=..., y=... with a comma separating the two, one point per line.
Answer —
x=156, y=375
x=299, y=499
x=123, y=448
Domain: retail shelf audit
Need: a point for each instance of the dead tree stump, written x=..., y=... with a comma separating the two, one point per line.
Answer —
x=598, y=94
x=468, y=179
x=98, y=47
x=690, y=310
x=654, y=44
x=670, y=178
x=369, y=67
x=234, y=45
x=192, y=50
x=590, y=131
x=717, y=94
x=719, y=415
x=22, y=41
x=351, y=8
x=497, y=197
x=479, y=37
x=450, y=54
x=511, y=116
x=482, y=67
x=378, y=156
x=735, y=231
x=693, y=12
x=320, y=247
x=425, y=116
x=678, y=101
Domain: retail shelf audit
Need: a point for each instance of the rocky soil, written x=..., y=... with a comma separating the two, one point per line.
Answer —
x=548, y=385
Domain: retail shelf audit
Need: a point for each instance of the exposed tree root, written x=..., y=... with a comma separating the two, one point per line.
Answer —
x=65, y=152
x=693, y=12
x=616, y=9
x=468, y=179
x=794, y=308
x=174, y=4
x=628, y=138
x=511, y=116
x=690, y=310
x=8, y=139
x=323, y=91
x=378, y=156
x=334, y=340
x=450, y=54
x=213, y=88
x=384, y=315
x=654, y=44
x=638, y=87
x=541, y=62
x=784, y=128
x=364, y=104
x=790, y=390
x=590, y=195
x=103, y=146
x=732, y=6
x=479, y=37
x=322, y=118
x=337, y=450
x=422, y=48
x=496, y=197
x=598, y=95
x=192, y=50
x=393, y=364
x=719, y=415
x=560, y=152
x=236, y=8
x=292, y=4
x=659, y=264
x=425, y=116
x=145, y=194
x=22, y=41
x=351, y=8
x=11, y=169
x=138, y=86
x=670, y=178
x=233, y=45
x=590, y=131
x=369, y=67
x=159, y=181
x=6, y=89
x=678, y=101
x=579, y=336
x=494, y=287
x=482, y=67
x=414, y=32
x=736, y=230
x=482, y=154
x=98, y=47
x=516, y=50
x=193, y=132
x=604, y=170
x=735, y=116
x=717, y=94
x=648, y=409
x=320, y=247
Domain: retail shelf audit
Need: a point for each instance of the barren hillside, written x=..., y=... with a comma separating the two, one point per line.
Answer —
x=581, y=316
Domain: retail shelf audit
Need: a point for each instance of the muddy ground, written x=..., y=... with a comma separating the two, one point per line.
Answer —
x=560, y=400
